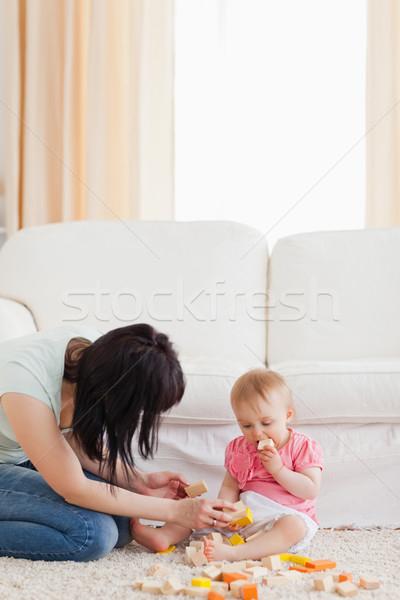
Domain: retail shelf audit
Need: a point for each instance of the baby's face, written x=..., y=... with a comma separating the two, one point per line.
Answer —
x=263, y=419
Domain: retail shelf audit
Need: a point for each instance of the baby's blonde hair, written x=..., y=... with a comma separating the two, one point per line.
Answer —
x=259, y=382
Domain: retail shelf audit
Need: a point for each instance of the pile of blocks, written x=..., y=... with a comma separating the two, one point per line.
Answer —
x=238, y=579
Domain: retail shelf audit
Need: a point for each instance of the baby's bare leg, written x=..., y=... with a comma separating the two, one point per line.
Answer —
x=285, y=533
x=160, y=538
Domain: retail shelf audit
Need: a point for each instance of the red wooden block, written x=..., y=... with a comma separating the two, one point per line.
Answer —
x=320, y=565
x=301, y=569
x=229, y=577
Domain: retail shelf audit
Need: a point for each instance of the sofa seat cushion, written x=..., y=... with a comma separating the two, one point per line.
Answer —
x=207, y=394
x=364, y=391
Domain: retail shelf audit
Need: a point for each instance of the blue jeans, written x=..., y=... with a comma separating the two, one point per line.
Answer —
x=38, y=524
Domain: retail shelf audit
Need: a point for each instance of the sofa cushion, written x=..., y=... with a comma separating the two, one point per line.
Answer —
x=207, y=394
x=364, y=391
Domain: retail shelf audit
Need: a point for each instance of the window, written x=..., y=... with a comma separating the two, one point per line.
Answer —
x=269, y=113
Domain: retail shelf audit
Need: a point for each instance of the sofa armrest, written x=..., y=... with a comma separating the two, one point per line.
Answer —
x=15, y=320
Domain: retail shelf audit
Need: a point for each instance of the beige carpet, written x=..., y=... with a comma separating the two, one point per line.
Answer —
x=360, y=552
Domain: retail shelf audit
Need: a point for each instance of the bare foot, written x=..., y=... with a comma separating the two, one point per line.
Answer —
x=217, y=551
x=147, y=536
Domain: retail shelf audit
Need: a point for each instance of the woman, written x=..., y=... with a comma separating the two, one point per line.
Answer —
x=70, y=496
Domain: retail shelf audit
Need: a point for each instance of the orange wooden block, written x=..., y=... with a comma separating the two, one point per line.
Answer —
x=301, y=569
x=345, y=577
x=249, y=591
x=320, y=565
x=229, y=577
x=215, y=596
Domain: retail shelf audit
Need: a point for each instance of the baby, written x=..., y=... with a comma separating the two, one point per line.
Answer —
x=279, y=483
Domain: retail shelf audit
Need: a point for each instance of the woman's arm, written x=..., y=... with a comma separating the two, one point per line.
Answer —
x=304, y=484
x=37, y=432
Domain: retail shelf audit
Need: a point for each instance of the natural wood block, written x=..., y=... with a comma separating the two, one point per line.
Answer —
x=196, y=489
x=189, y=551
x=236, y=586
x=201, y=592
x=263, y=443
x=199, y=559
x=291, y=574
x=253, y=563
x=212, y=572
x=216, y=536
x=151, y=587
x=138, y=584
x=324, y=584
x=319, y=565
x=219, y=586
x=239, y=513
x=346, y=589
x=255, y=535
x=369, y=583
x=235, y=566
x=171, y=586
x=199, y=545
x=275, y=580
x=272, y=562
x=158, y=569
x=256, y=572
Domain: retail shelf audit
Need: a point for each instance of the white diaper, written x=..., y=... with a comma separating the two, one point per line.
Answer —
x=265, y=513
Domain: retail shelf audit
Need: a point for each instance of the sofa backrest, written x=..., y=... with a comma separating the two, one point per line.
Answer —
x=335, y=295
x=204, y=283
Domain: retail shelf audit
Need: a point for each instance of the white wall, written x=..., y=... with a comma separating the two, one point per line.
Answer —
x=2, y=133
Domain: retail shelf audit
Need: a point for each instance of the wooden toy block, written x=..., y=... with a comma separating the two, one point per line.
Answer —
x=320, y=565
x=158, y=569
x=263, y=443
x=272, y=562
x=301, y=569
x=285, y=556
x=235, y=566
x=247, y=520
x=196, y=489
x=170, y=549
x=291, y=574
x=229, y=577
x=345, y=577
x=201, y=592
x=213, y=595
x=237, y=514
x=197, y=544
x=255, y=535
x=220, y=586
x=275, y=580
x=138, y=584
x=199, y=559
x=299, y=560
x=171, y=586
x=201, y=582
x=236, y=539
x=151, y=587
x=213, y=573
x=189, y=551
x=324, y=584
x=347, y=589
x=249, y=591
x=256, y=572
x=253, y=563
x=216, y=536
x=236, y=586
x=369, y=583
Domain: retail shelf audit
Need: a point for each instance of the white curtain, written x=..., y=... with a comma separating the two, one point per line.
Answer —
x=89, y=110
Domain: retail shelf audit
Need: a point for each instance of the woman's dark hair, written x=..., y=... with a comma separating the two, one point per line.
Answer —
x=125, y=380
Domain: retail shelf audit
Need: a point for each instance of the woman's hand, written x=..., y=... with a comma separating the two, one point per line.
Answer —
x=164, y=484
x=271, y=459
x=198, y=513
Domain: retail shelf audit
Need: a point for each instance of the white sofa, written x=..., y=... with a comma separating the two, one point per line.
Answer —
x=322, y=310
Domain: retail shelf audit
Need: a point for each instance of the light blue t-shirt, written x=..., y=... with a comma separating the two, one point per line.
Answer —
x=34, y=365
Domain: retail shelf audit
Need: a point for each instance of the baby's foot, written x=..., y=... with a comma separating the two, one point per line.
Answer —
x=217, y=551
x=148, y=536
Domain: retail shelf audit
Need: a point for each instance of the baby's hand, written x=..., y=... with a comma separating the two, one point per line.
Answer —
x=233, y=527
x=271, y=459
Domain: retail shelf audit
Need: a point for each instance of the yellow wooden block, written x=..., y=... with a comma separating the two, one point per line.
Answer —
x=247, y=520
x=170, y=549
x=201, y=582
x=236, y=539
x=299, y=560
x=285, y=556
